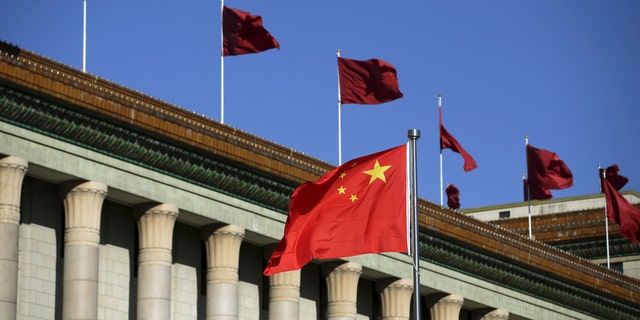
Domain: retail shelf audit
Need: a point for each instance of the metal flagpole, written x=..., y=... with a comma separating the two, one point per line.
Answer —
x=221, y=61
x=339, y=116
x=526, y=139
x=413, y=135
x=84, y=38
x=440, y=128
x=606, y=216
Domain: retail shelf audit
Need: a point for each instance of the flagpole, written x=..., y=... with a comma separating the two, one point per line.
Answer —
x=414, y=135
x=339, y=116
x=606, y=216
x=221, y=61
x=526, y=139
x=84, y=37
x=440, y=128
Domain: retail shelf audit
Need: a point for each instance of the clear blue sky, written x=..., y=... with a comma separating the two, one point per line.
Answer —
x=565, y=73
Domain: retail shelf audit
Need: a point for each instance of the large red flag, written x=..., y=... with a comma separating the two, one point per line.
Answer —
x=611, y=173
x=359, y=207
x=243, y=33
x=448, y=141
x=620, y=211
x=453, y=197
x=367, y=82
x=545, y=170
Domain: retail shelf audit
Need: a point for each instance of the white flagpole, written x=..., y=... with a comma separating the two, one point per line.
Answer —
x=339, y=116
x=84, y=38
x=439, y=128
x=413, y=135
x=606, y=216
x=526, y=139
x=221, y=61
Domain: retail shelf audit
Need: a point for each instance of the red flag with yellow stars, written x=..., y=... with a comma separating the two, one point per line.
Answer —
x=359, y=207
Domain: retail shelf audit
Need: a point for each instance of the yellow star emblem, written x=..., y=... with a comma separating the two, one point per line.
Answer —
x=341, y=190
x=353, y=198
x=342, y=175
x=377, y=172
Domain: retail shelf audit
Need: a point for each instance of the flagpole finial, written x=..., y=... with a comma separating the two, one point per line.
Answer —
x=439, y=95
x=413, y=134
x=338, y=51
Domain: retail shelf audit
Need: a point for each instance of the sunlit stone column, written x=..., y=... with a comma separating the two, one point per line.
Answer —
x=82, y=208
x=498, y=314
x=396, y=298
x=12, y=172
x=284, y=295
x=342, y=290
x=447, y=308
x=222, y=244
x=155, y=226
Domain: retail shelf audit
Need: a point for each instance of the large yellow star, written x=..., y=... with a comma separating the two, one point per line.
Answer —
x=377, y=172
x=341, y=190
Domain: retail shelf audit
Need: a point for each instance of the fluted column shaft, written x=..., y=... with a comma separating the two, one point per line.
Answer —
x=222, y=244
x=342, y=291
x=12, y=172
x=396, y=300
x=447, y=308
x=284, y=295
x=82, y=206
x=155, y=226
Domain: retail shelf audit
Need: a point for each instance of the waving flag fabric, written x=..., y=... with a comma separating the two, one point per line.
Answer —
x=243, y=33
x=545, y=170
x=616, y=180
x=447, y=141
x=620, y=211
x=367, y=82
x=536, y=192
x=359, y=207
x=453, y=197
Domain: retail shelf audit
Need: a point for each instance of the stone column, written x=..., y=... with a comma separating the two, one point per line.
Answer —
x=82, y=208
x=12, y=172
x=222, y=244
x=155, y=226
x=447, y=307
x=342, y=290
x=395, y=297
x=284, y=295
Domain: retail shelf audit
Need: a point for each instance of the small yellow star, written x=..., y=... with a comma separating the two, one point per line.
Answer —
x=342, y=175
x=377, y=172
x=341, y=190
x=353, y=198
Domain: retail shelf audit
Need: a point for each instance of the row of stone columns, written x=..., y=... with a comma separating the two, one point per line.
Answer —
x=83, y=205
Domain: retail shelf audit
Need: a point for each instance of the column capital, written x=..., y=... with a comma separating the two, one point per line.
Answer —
x=395, y=295
x=83, y=206
x=222, y=243
x=445, y=306
x=12, y=172
x=342, y=288
x=285, y=286
x=490, y=314
x=155, y=225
